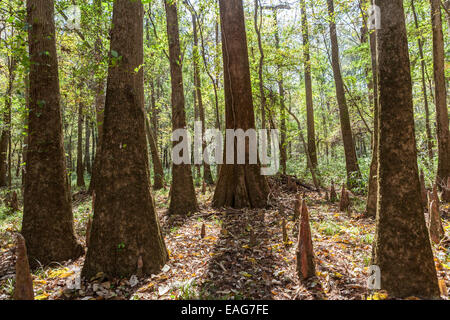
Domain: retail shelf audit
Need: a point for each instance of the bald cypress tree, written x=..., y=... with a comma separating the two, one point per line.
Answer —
x=239, y=185
x=351, y=161
x=182, y=192
x=125, y=238
x=402, y=246
x=47, y=219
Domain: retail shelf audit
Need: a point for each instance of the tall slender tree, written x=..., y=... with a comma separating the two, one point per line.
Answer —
x=371, y=205
x=442, y=122
x=182, y=192
x=80, y=163
x=47, y=224
x=351, y=161
x=308, y=87
x=207, y=176
x=125, y=237
x=239, y=185
x=402, y=246
x=424, y=85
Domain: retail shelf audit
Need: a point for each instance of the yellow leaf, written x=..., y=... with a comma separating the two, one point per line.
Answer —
x=246, y=274
x=42, y=296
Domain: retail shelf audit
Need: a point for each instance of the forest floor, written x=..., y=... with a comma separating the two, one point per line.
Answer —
x=224, y=265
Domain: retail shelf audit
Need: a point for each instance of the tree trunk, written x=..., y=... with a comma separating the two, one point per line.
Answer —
x=80, y=165
x=442, y=126
x=125, y=237
x=87, y=156
x=308, y=88
x=182, y=192
x=158, y=171
x=207, y=176
x=351, y=161
x=424, y=88
x=243, y=185
x=371, y=205
x=47, y=219
x=6, y=133
x=99, y=103
x=402, y=248
x=261, y=65
x=283, y=145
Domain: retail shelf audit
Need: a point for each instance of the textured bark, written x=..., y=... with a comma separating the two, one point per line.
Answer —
x=297, y=208
x=47, y=219
x=99, y=102
x=87, y=156
x=402, y=247
x=207, y=176
x=125, y=235
x=333, y=194
x=371, y=205
x=158, y=172
x=351, y=161
x=280, y=82
x=436, y=230
x=423, y=189
x=238, y=186
x=442, y=122
x=261, y=64
x=344, y=203
x=308, y=88
x=182, y=192
x=446, y=192
x=80, y=164
x=23, y=287
x=305, y=254
x=5, y=138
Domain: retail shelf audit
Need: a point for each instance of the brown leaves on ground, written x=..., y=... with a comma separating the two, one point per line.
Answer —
x=242, y=255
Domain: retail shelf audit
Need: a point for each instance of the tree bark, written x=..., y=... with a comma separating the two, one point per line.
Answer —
x=182, y=192
x=371, y=205
x=402, y=246
x=99, y=103
x=87, y=156
x=47, y=224
x=308, y=88
x=158, y=171
x=80, y=164
x=125, y=236
x=424, y=88
x=243, y=185
x=6, y=133
x=442, y=121
x=261, y=65
x=351, y=161
x=283, y=144
x=207, y=176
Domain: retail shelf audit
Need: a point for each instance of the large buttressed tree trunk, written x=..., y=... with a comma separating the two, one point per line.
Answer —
x=402, y=246
x=351, y=161
x=308, y=88
x=47, y=219
x=182, y=192
x=238, y=185
x=442, y=126
x=125, y=237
